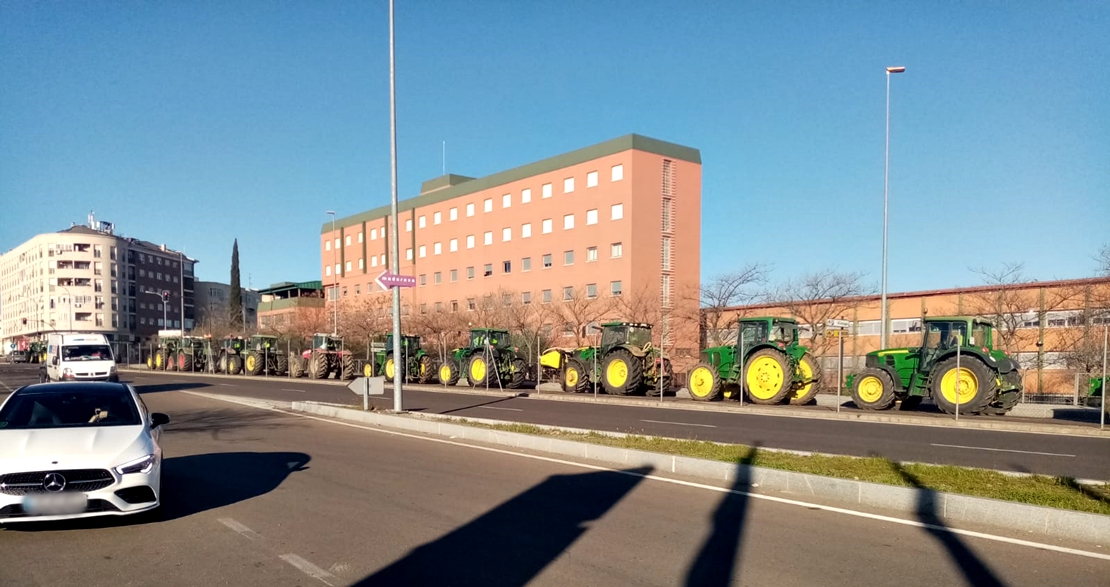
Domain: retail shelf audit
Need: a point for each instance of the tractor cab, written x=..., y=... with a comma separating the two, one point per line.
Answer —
x=944, y=334
x=480, y=337
x=233, y=344
x=753, y=332
x=615, y=334
x=261, y=342
x=326, y=342
x=409, y=344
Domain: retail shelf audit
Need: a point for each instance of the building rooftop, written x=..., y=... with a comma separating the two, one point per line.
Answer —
x=286, y=286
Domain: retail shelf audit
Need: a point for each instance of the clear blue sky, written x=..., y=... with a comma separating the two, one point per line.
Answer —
x=193, y=123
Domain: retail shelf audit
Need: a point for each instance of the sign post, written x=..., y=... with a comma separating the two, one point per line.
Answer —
x=389, y=279
x=839, y=327
x=366, y=387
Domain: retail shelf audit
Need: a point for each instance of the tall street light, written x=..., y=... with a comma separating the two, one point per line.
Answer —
x=886, y=193
x=394, y=244
x=335, y=286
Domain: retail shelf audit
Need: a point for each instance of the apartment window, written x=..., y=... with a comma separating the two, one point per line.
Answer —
x=506, y=235
x=408, y=254
x=487, y=238
x=526, y=230
x=615, y=288
x=568, y=294
x=469, y=210
x=374, y=261
x=347, y=242
x=506, y=200
x=568, y=222
x=547, y=261
x=525, y=196
x=487, y=271
x=546, y=190
x=360, y=236
x=358, y=288
x=422, y=222
x=423, y=279
x=337, y=269
x=423, y=308
x=437, y=217
x=470, y=241
x=526, y=264
x=568, y=185
x=423, y=251
x=526, y=298
x=454, y=275
x=374, y=234
x=362, y=263
x=545, y=226
x=142, y=272
x=568, y=257
x=507, y=267
x=327, y=245
x=439, y=307
x=327, y=270
x=591, y=179
x=454, y=305
x=383, y=260
x=591, y=254
x=666, y=253
x=453, y=213
x=470, y=273
x=437, y=248
x=617, y=212
x=667, y=213
x=546, y=296
x=616, y=250
x=437, y=277
x=453, y=245
x=344, y=291
x=348, y=265
x=470, y=304
x=408, y=225
x=591, y=217
x=618, y=173
x=487, y=205
x=591, y=290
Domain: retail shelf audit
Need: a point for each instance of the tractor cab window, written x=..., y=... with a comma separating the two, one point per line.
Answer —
x=786, y=332
x=753, y=333
x=945, y=335
x=499, y=340
x=981, y=334
x=639, y=337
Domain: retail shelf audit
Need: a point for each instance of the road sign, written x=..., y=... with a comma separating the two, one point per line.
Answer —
x=366, y=387
x=836, y=323
x=389, y=280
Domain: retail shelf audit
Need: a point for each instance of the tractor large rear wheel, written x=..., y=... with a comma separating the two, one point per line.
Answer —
x=575, y=377
x=318, y=366
x=281, y=365
x=977, y=387
x=768, y=377
x=809, y=374
x=873, y=389
x=449, y=372
x=704, y=383
x=518, y=373
x=296, y=365
x=188, y=364
x=621, y=372
x=234, y=364
x=426, y=369
x=479, y=371
x=253, y=364
x=348, y=370
x=391, y=369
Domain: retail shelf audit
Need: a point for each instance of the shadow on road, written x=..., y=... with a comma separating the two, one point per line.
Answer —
x=175, y=386
x=974, y=570
x=1086, y=415
x=470, y=407
x=719, y=556
x=216, y=421
x=512, y=543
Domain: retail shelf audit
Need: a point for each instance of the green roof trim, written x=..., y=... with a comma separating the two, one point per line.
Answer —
x=451, y=186
x=289, y=285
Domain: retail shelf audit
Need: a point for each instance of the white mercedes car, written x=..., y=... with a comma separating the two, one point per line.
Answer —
x=77, y=450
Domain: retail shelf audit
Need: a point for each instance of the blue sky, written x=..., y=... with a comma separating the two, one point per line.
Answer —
x=194, y=123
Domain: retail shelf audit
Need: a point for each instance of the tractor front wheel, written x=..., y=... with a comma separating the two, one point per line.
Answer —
x=478, y=370
x=518, y=373
x=347, y=367
x=973, y=385
x=575, y=377
x=391, y=368
x=704, y=383
x=873, y=389
x=768, y=377
x=281, y=365
x=621, y=372
x=318, y=366
x=253, y=364
x=426, y=368
x=234, y=364
x=808, y=374
x=449, y=372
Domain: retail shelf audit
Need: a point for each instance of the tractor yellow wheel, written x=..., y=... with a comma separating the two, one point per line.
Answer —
x=149, y=362
x=968, y=386
x=616, y=374
x=444, y=373
x=250, y=362
x=390, y=368
x=478, y=369
x=572, y=378
x=367, y=370
x=808, y=370
x=765, y=377
x=870, y=389
x=703, y=383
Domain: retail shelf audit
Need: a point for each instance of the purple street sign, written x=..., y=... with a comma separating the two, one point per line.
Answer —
x=389, y=280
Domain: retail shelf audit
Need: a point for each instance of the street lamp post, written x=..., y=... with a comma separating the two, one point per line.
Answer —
x=886, y=194
x=394, y=244
x=335, y=280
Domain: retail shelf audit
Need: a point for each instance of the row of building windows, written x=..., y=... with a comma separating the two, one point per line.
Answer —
x=616, y=251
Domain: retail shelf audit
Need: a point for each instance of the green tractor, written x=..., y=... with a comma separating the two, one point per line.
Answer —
x=418, y=365
x=192, y=354
x=986, y=381
x=774, y=367
x=229, y=358
x=1094, y=392
x=263, y=357
x=36, y=352
x=625, y=363
x=165, y=357
x=327, y=357
x=490, y=360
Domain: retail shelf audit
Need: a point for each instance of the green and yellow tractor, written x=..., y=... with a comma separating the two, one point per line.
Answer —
x=771, y=367
x=418, y=366
x=490, y=359
x=625, y=362
x=261, y=356
x=978, y=378
x=229, y=357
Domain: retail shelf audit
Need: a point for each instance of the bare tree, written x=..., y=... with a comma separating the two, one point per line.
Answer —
x=579, y=310
x=814, y=298
x=362, y=317
x=1009, y=302
x=1103, y=259
x=725, y=291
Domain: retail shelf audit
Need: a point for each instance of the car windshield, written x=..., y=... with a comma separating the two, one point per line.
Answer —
x=70, y=408
x=87, y=352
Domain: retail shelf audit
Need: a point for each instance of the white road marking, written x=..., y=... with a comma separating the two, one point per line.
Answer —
x=299, y=390
x=496, y=408
x=6, y=386
x=308, y=568
x=679, y=423
x=782, y=500
x=239, y=528
x=1024, y=452
x=229, y=385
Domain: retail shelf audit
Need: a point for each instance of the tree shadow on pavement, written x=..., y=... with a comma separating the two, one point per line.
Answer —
x=1097, y=492
x=478, y=405
x=215, y=421
x=512, y=543
x=719, y=556
x=175, y=386
x=976, y=571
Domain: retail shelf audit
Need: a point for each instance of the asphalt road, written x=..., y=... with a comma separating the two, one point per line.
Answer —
x=260, y=498
x=1079, y=457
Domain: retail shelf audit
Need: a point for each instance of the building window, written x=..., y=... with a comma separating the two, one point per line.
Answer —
x=568, y=222
x=408, y=254
x=667, y=214
x=568, y=294
x=618, y=173
x=487, y=205
x=437, y=277
x=568, y=257
x=487, y=238
x=408, y=225
x=327, y=245
x=591, y=254
x=439, y=307
x=362, y=263
x=615, y=288
x=360, y=236
x=454, y=275
x=526, y=264
x=423, y=251
x=487, y=271
x=507, y=267
x=666, y=253
x=546, y=296
x=546, y=190
x=358, y=288
x=525, y=196
x=526, y=298
x=617, y=212
x=327, y=270
x=383, y=259
x=469, y=210
x=423, y=279
x=337, y=269
x=591, y=217
x=437, y=217
x=470, y=305
x=568, y=185
x=506, y=200
x=374, y=261
x=453, y=214
x=470, y=273
x=348, y=265
x=374, y=234
x=616, y=250
x=453, y=245
x=506, y=235
x=454, y=305
x=423, y=308
x=547, y=261
x=591, y=179
x=591, y=290
x=422, y=222
x=437, y=248
x=545, y=226
x=470, y=241
x=347, y=242
x=526, y=230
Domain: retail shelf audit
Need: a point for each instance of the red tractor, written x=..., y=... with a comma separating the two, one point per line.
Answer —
x=326, y=357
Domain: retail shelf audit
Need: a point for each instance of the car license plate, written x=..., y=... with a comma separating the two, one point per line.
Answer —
x=55, y=505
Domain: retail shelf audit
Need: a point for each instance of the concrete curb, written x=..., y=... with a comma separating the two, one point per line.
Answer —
x=944, y=506
x=719, y=407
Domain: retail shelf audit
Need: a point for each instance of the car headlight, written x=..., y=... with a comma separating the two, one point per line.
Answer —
x=139, y=465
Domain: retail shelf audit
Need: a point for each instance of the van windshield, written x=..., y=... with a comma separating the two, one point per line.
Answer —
x=87, y=352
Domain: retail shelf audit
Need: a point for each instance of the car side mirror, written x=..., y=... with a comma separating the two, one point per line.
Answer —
x=158, y=419
x=54, y=361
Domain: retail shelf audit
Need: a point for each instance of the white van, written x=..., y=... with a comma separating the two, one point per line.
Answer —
x=72, y=356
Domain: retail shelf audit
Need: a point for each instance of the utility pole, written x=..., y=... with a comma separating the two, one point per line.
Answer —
x=394, y=239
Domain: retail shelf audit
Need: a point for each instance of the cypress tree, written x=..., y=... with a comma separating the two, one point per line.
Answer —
x=235, y=303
